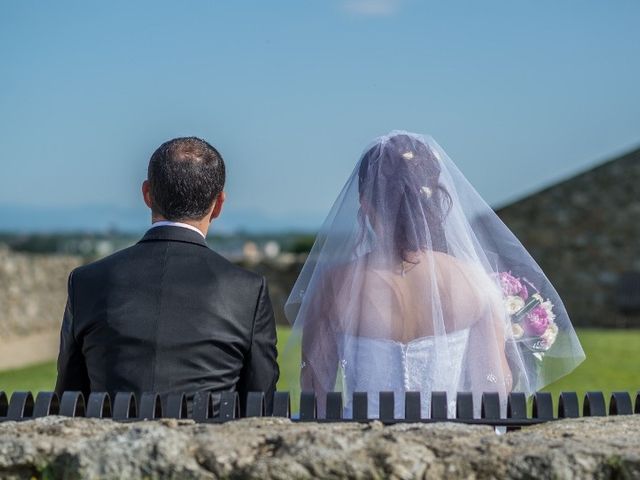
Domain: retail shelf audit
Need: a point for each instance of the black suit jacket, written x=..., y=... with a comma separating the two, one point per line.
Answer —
x=167, y=315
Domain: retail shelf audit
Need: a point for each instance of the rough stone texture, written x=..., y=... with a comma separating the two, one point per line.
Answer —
x=57, y=447
x=33, y=291
x=33, y=288
x=585, y=232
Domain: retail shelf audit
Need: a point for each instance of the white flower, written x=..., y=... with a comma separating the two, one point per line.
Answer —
x=538, y=297
x=513, y=303
x=517, y=331
x=549, y=335
x=548, y=306
x=426, y=191
x=408, y=155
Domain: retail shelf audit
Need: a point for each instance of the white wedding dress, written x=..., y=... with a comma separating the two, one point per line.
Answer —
x=381, y=365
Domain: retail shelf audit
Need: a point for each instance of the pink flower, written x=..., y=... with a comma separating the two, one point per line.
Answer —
x=510, y=284
x=536, y=321
x=524, y=293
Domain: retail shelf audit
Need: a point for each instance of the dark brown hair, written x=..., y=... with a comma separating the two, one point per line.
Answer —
x=399, y=179
x=185, y=176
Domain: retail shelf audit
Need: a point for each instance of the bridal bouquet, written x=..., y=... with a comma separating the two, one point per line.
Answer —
x=532, y=317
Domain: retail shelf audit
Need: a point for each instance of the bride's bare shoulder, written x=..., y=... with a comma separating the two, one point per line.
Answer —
x=469, y=280
x=339, y=273
x=342, y=277
x=457, y=269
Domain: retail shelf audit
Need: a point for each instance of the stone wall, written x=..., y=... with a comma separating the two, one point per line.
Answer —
x=33, y=290
x=585, y=232
x=263, y=448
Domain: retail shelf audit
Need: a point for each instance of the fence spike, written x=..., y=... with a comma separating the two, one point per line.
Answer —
x=47, y=403
x=4, y=405
x=620, y=404
x=20, y=406
x=255, y=404
x=72, y=404
x=308, y=406
x=360, y=406
x=490, y=407
x=517, y=406
x=334, y=406
x=99, y=405
x=125, y=406
x=202, y=406
x=387, y=406
x=543, y=406
x=439, y=406
x=464, y=406
x=281, y=404
x=150, y=406
x=229, y=406
x=594, y=405
x=412, y=406
x=175, y=405
x=568, y=406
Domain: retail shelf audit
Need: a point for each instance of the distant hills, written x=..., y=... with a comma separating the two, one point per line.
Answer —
x=99, y=218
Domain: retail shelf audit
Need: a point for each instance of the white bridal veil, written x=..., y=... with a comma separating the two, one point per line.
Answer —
x=414, y=283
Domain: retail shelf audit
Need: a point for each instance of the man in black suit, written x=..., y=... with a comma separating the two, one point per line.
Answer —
x=169, y=314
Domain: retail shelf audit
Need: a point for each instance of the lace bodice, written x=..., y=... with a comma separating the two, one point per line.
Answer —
x=424, y=365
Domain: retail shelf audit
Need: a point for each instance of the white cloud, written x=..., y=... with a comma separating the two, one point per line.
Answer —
x=372, y=7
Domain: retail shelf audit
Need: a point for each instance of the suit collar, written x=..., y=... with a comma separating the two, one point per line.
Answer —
x=173, y=234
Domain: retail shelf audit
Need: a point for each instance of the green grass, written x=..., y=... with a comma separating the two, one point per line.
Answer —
x=612, y=364
x=289, y=364
x=37, y=378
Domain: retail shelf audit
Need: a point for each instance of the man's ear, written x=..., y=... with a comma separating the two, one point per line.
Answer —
x=217, y=206
x=146, y=194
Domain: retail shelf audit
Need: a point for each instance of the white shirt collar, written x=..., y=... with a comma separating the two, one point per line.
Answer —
x=166, y=223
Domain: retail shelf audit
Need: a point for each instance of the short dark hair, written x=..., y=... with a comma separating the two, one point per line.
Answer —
x=185, y=176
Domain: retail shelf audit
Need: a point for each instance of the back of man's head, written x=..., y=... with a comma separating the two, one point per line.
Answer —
x=185, y=176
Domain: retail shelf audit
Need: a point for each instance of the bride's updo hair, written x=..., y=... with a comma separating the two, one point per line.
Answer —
x=399, y=184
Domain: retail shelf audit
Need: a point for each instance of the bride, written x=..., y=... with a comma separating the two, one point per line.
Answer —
x=414, y=284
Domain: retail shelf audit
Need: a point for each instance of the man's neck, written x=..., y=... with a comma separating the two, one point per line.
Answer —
x=201, y=225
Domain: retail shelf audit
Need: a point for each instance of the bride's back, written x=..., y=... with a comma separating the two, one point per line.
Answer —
x=405, y=287
x=436, y=294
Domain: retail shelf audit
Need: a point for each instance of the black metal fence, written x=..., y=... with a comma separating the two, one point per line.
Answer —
x=206, y=407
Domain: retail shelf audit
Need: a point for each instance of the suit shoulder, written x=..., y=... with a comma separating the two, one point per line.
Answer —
x=234, y=271
x=104, y=263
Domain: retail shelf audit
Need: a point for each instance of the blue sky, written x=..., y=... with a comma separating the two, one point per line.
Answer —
x=519, y=93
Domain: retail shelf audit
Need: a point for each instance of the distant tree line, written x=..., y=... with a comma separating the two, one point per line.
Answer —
x=93, y=245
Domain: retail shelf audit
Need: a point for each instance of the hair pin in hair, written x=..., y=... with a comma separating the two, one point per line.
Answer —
x=426, y=191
